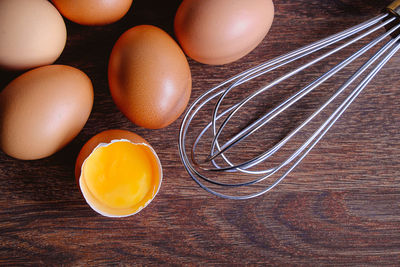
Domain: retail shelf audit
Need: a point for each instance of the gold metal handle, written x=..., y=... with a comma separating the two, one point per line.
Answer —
x=394, y=7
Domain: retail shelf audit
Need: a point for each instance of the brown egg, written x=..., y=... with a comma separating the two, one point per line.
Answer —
x=42, y=110
x=222, y=31
x=149, y=77
x=32, y=34
x=93, y=12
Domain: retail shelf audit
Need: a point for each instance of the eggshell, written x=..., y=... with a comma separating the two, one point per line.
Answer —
x=93, y=12
x=222, y=31
x=42, y=110
x=149, y=77
x=32, y=34
x=104, y=139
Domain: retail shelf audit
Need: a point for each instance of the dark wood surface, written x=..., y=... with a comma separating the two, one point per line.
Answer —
x=341, y=206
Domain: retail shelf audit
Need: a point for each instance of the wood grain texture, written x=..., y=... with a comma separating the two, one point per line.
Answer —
x=341, y=205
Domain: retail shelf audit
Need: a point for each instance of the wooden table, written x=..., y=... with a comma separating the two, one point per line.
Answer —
x=340, y=206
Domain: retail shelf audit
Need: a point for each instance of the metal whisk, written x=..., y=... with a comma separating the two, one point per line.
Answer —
x=217, y=173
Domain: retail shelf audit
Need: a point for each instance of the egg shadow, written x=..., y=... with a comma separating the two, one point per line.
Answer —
x=159, y=13
x=7, y=76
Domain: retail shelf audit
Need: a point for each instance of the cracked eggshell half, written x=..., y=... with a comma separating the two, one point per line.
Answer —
x=118, y=173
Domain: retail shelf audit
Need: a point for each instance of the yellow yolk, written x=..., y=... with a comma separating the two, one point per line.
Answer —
x=120, y=178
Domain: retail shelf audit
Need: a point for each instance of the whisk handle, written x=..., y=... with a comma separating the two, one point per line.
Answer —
x=394, y=7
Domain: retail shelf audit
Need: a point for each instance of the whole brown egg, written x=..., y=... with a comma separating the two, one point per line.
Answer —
x=93, y=12
x=32, y=34
x=149, y=77
x=42, y=110
x=222, y=31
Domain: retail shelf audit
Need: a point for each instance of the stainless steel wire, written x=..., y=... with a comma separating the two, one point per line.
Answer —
x=200, y=170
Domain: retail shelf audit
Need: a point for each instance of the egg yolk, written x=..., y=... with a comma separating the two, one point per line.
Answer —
x=120, y=178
